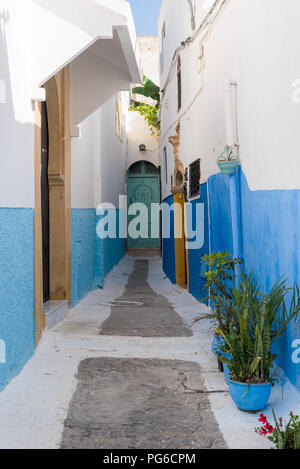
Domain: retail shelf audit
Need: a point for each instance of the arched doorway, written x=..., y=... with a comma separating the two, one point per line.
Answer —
x=143, y=188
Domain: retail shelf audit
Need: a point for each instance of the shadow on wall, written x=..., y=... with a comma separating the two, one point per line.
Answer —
x=17, y=326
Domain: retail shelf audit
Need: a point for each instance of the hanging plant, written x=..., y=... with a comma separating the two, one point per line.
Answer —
x=150, y=112
x=228, y=160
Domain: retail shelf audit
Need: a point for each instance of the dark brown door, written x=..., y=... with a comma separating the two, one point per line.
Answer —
x=45, y=204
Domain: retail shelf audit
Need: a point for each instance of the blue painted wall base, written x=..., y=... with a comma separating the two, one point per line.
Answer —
x=270, y=227
x=92, y=257
x=197, y=271
x=17, y=325
x=261, y=226
x=168, y=242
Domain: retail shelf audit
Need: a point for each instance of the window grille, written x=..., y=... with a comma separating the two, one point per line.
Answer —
x=194, y=178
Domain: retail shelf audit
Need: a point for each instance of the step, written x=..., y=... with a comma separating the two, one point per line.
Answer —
x=55, y=311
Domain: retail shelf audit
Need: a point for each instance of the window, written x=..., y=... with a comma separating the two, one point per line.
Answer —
x=166, y=164
x=178, y=83
x=143, y=167
x=136, y=168
x=194, y=178
x=149, y=168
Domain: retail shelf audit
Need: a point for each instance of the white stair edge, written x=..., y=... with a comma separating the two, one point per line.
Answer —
x=55, y=311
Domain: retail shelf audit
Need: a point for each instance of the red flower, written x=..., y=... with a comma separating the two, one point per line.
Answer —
x=263, y=419
x=269, y=428
x=263, y=432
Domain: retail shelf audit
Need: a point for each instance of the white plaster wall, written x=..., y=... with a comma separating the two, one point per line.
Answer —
x=175, y=14
x=137, y=129
x=61, y=30
x=16, y=112
x=97, y=75
x=99, y=158
x=113, y=161
x=255, y=44
x=85, y=153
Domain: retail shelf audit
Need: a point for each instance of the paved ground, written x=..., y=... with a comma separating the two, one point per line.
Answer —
x=134, y=403
x=152, y=316
x=143, y=404
x=36, y=405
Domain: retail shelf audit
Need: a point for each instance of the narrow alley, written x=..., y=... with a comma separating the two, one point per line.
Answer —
x=149, y=225
x=93, y=384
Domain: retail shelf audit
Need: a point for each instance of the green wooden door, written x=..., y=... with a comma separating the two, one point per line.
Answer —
x=143, y=187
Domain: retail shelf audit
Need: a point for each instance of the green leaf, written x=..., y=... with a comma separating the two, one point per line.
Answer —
x=297, y=437
x=254, y=365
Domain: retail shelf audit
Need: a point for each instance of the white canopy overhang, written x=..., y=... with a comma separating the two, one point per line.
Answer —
x=97, y=37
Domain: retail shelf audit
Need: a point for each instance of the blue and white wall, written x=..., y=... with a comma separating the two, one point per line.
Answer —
x=98, y=176
x=17, y=328
x=29, y=55
x=254, y=44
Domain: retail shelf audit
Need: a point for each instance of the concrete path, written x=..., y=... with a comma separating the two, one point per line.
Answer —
x=134, y=403
x=147, y=314
x=141, y=404
x=174, y=381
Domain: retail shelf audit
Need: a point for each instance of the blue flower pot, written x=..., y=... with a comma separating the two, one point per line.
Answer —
x=226, y=369
x=251, y=400
x=228, y=167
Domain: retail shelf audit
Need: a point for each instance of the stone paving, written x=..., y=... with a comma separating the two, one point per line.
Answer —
x=155, y=317
x=123, y=403
x=173, y=382
x=140, y=404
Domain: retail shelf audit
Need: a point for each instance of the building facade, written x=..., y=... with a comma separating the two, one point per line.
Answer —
x=226, y=79
x=63, y=152
x=142, y=162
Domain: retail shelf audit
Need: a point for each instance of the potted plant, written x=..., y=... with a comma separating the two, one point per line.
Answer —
x=228, y=160
x=221, y=277
x=285, y=435
x=262, y=319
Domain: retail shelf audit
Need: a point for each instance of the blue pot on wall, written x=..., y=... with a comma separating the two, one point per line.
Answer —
x=250, y=399
x=228, y=167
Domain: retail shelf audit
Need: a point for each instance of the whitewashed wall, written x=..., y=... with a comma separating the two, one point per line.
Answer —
x=137, y=129
x=254, y=43
x=99, y=158
x=16, y=112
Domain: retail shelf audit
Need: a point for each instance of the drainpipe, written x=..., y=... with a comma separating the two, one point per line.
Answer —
x=193, y=19
x=234, y=181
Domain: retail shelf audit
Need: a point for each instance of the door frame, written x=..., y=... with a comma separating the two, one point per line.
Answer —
x=136, y=176
x=59, y=173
